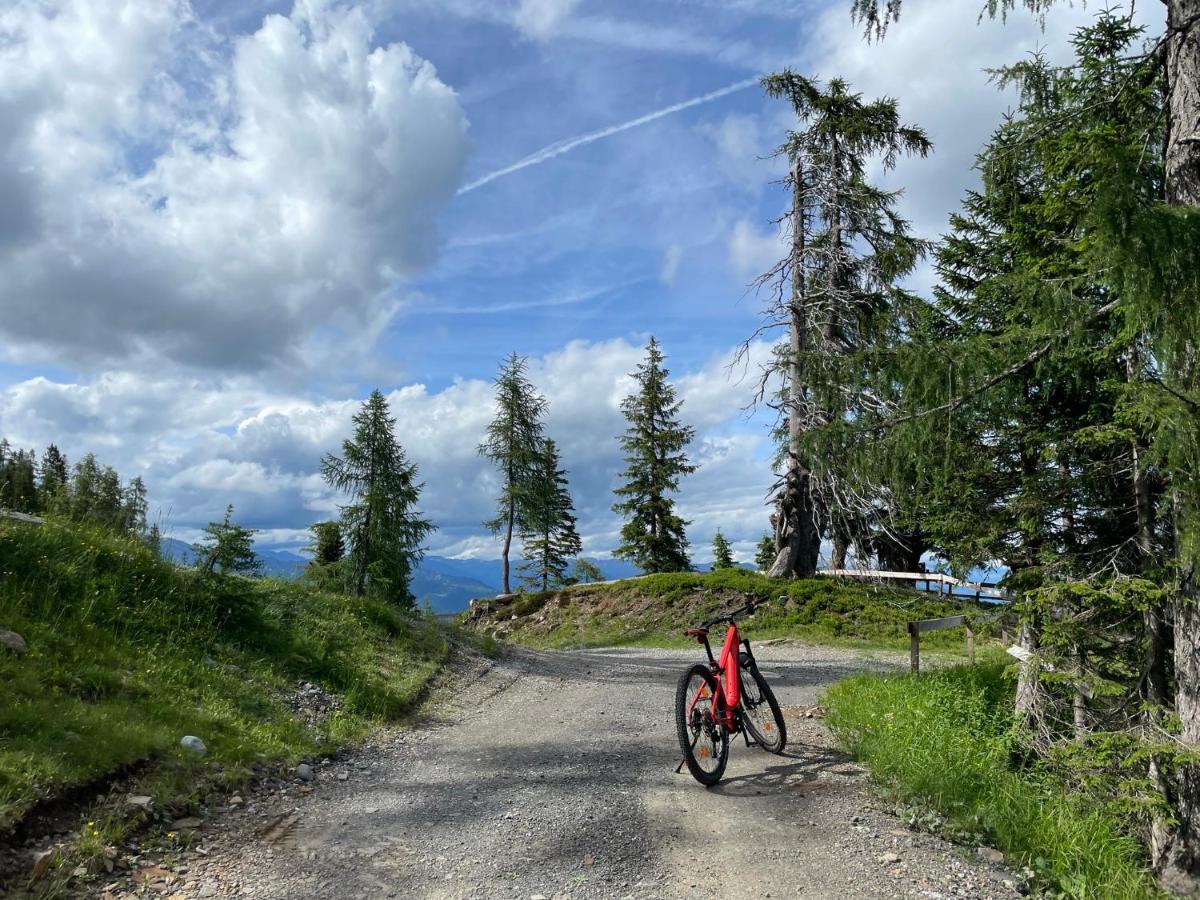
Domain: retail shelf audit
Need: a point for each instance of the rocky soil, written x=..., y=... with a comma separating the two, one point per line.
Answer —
x=551, y=775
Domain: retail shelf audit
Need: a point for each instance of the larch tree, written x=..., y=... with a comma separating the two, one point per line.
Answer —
x=382, y=523
x=549, y=537
x=584, y=571
x=514, y=443
x=836, y=296
x=227, y=547
x=84, y=489
x=134, y=506
x=653, y=537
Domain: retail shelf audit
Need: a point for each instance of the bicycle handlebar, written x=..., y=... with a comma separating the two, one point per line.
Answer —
x=731, y=615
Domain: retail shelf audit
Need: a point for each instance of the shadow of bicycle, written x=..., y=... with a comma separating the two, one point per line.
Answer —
x=796, y=771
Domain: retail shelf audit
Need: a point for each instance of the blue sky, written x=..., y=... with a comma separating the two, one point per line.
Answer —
x=222, y=224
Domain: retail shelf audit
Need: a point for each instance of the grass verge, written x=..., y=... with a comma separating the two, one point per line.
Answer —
x=654, y=612
x=128, y=653
x=945, y=741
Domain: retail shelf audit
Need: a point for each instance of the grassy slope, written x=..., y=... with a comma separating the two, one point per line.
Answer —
x=116, y=670
x=945, y=740
x=655, y=611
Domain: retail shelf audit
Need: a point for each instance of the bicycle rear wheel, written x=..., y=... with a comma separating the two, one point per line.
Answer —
x=703, y=740
x=760, y=711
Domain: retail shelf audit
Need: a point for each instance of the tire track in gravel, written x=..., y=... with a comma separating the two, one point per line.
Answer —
x=551, y=773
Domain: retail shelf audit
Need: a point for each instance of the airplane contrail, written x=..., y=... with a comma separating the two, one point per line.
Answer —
x=565, y=146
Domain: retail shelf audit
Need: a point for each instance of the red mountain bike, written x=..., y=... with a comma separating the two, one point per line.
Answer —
x=722, y=698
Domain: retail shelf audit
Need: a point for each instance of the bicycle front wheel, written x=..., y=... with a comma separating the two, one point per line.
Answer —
x=702, y=738
x=760, y=711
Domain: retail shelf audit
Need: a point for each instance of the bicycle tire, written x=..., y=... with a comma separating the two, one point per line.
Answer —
x=773, y=743
x=713, y=732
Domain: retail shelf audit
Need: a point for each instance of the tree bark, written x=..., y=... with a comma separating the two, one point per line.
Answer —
x=1182, y=153
x=837, y=557
x=1079, y=705
x=1176, y=851
x=1155, y=679
x=508, y=531
x=797, y=540
x=1028, y=701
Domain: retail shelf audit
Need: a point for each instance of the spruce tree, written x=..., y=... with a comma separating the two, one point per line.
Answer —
x=1150, y=247
x=53, y=471
x=836, y=295
x=327, y=547
x=18, y=486
x=514, y=443
x=154, y=540
x=227, y=547
x=764, y=556
x=382, y=524
x=328, y=567
x=549, y=538
x=722, y=553
x=653, y=536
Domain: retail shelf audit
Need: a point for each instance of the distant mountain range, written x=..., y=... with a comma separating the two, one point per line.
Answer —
x=448, y=585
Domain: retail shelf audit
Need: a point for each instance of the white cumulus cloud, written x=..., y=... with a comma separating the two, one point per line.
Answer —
x=171, y=195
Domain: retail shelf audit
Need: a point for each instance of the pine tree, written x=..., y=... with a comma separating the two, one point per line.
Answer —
x=514, y=443
x=722, y=553
x=653, y=536
x=549, y=537
x=836, y=295
x=764, y=556
x=381, y=523
x=228, y=548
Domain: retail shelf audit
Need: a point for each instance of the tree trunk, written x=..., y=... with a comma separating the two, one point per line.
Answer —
x=837, y=558
x=508, y=531
x=1028, y=702
x=1176, y=852
x=797, y=540
x=1079, y=706
x=1182, y=153
x=1155, y=682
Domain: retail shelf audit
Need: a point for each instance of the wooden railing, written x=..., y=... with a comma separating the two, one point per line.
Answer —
x=915, y=629
x=946, y=584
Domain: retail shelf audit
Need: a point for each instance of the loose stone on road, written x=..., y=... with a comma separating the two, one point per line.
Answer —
x=551, y=774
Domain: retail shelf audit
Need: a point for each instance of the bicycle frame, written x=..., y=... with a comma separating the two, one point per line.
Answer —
x=727, y=706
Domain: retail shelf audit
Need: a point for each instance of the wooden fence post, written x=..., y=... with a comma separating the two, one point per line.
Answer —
x=914, y=648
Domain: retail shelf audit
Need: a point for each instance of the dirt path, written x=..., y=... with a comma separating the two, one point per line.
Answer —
x=553, y=776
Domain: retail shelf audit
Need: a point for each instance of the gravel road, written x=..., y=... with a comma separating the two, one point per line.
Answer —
x=551, y=774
